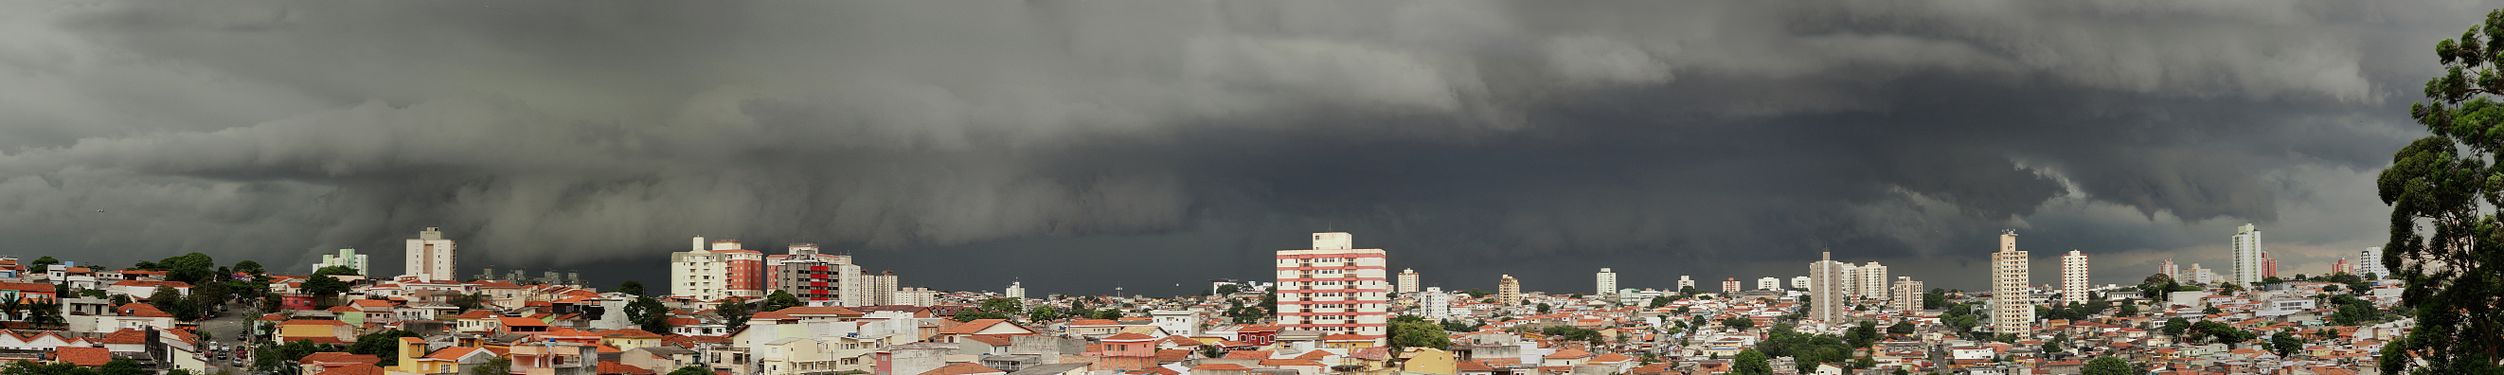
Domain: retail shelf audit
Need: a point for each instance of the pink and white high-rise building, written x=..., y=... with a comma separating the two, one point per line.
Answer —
x=1334, y=288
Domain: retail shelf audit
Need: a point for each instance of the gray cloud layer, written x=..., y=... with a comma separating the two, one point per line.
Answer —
x=1539, y=139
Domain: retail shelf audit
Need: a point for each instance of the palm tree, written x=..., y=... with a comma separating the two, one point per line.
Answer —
x=11, y=307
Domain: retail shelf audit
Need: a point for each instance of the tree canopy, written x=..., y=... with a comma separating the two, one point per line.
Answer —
x=2444, y=196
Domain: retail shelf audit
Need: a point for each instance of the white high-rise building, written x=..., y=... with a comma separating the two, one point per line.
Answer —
x=1605, y=283
x=1873, y=281
x=1685, y=283
x=2369, y=263
x=1825, y=289
x=1851, y=282
x=1908, y=295
x=1438, y=305
x=2247, y=255
x=1408, y=281
x=699, y=273
x=2170, y=270
x=1508, y=290
x=2012, y=308
x=1769, y=283
x=2201, y=275
x=1334, y=288
x=1799, y=282
x=1017, y=291
x=2074, y=277
x=345, y=258
x=430, y=256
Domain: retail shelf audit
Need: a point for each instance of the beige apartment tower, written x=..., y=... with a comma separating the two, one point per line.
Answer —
x=2012, y=309
x=430, y=256
x=1334, y=288
x=1508, y=291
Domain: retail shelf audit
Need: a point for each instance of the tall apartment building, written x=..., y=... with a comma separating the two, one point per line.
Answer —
x=1799, y=282
x=1730, y=285
x=2170, y=270
x=1908, y=294
x=1685, y=283
x=1873, y=281
x=2341, y=266
x=2074, y=277
x=2269, y=266
x=2201, y=275
x=2369, y=263
x=882, y=289
x=1825, y=289
x=1436, y=303
x=1769, y=283
x=1851, y=281
x=817, y=278
x=1016, y=291
x=430, y=256
x=1408, y=281
x=2247, y=255
x=721, y=270
x=1334, y=287
x=2012, y=309
x=345, y=258
x=1605, y=282
x=1508, y=291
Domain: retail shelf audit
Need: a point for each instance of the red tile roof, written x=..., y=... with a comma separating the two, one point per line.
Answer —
x=142, y=310
x=356, y=369
x=126, y=336
x=614, y=368
x=962, y=369
x=327, y=359
x=806, y=311
x=82, y=356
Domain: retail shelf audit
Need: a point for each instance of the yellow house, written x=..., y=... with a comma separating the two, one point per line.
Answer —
x=317, y=331
x=415, y=360
x=1429, y=361
x=629, y=339
x=1351, y=342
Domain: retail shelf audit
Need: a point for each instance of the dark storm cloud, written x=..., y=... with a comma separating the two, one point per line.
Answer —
x=1473, y=138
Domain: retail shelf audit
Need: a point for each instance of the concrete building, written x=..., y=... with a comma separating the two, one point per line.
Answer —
x=1016, y=291
x=697, y=273
x=2341, y=266
x=1408, y=281
x=880, y=289
x=2074, y=277
x=1730, y=285
x=2247, y=255
x=1508, y=291
x=2269, y=266
x=1825, y=289
x=1873, y=281
x=2170, y=270
x=1436, y=303
x=345, y=258
x=2012, y=309
x=744, y=270
x=1685, y=283
x=817, y=278
x=1605, y=283
x=430, y=256
x=2200, y=275
x=1799, y=282
x=2369, y=264
x=1334, y=288
x=1769, y=283
x=1908, y=294
x=1850, y=282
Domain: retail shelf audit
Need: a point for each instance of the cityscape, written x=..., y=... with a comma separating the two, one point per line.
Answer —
x=1252, y=187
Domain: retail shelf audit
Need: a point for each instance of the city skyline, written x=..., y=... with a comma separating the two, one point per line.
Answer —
x=1080, y=136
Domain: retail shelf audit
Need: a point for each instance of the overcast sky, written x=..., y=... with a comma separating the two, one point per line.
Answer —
x=1083, y=145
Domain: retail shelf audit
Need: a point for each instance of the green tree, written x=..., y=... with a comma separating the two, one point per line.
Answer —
x=2156, y=286
x=781, y=300
x=691, y=370
x=1039, y=314
x=189, y=268
x=1902, y=328
x=634, y=288
x=649, y=314
x=1935, y=298
x=1543, y=307
x=324, y=288
x=1658, y=302
x=1410, y=331
x=121, y=366
x=249, y=267
x=1751, y=362
x=2109, y=365
x=2285, y=343
x=2444, y=193
x=2176, y=326
x=384, y=343
x=172, y=302
x=1739, y=323
x=1861, y=335
x=734, y=311
x=42, y=264
x=502, y=366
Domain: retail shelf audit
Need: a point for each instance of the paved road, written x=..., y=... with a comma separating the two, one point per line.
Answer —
x=229, y=330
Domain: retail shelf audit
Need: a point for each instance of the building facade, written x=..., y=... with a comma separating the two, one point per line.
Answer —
x=1730, y=285
x=1408, y=281
x=1873, y=281
x=807, y=272
x=1908, y=295
x=697, y=273
x=2012, y=309
x=1508, y=291
x=1826, y=279
x=2074, y=277
x=2247, y=255
x=1605, y=283
x=2369, y=263
x=430, y=256
x=1334, y=287
x=1685, y=283
x=345, y=258
x=1769, y=283
x=1016, y=291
